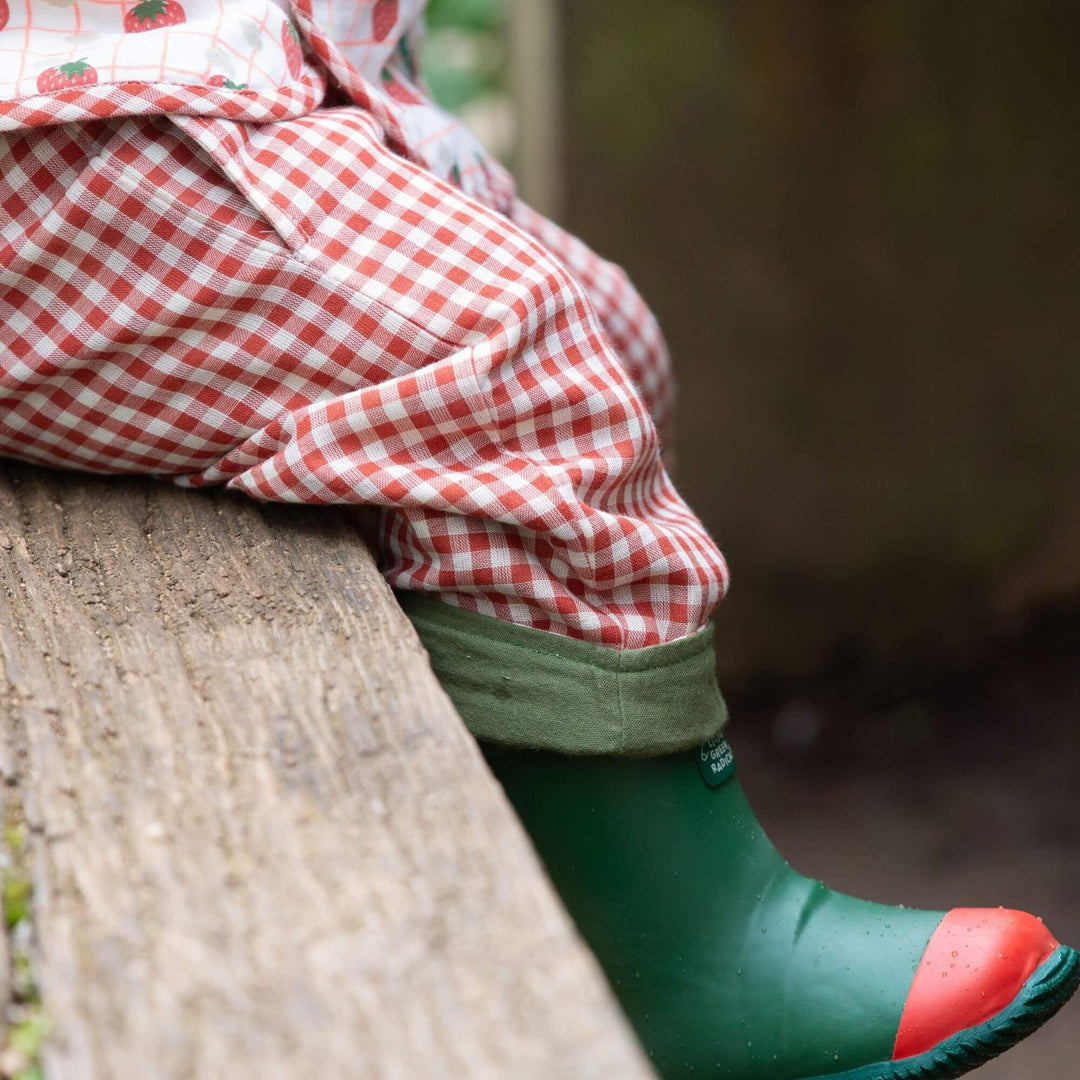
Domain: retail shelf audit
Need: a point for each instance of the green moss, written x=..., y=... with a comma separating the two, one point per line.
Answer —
x=26, y=1025
x=23, y=983
x=14, y=833
x=17, y=894
x=16, y=890
x=27, y=1038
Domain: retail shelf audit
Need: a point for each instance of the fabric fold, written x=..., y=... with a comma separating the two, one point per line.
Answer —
x=526, y=688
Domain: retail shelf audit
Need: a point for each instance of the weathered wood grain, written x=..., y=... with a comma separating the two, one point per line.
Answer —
x=261, y=842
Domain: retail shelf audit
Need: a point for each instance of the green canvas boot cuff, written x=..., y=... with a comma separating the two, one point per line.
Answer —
x=529, y=689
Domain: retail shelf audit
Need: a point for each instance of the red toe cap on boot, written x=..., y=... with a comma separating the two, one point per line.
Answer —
x=974, y=965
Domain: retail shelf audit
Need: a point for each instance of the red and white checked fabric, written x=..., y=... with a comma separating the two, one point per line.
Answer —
x=296, y=311
x=631, y=328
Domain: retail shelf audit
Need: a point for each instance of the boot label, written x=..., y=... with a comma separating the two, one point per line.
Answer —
x=716, y=761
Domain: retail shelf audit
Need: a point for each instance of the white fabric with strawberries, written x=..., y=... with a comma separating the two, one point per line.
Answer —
x=253, y=61
x=243, y=44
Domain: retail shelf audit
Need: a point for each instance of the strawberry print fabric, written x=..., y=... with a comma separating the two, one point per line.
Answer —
x=301, y=312
x=252, y=60
x=48, y=46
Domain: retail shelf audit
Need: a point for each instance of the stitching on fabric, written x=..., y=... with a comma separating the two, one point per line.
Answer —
x=270, y=99
x=177, y=211
x=233, y=174
x=624, y=737
x=617, y=667
x=140, y=85
x=160, y=199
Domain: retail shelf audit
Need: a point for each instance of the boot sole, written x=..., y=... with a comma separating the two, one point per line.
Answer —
x=1041, y=996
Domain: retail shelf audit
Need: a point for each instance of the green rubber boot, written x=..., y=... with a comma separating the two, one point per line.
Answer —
x=730, y=964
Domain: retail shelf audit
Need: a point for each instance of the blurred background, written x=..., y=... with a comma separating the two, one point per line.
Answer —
x=859, y=225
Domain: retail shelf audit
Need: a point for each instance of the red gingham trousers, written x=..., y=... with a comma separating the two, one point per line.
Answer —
x=295, y=311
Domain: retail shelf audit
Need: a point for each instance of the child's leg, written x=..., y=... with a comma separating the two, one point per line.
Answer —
x=330, y=323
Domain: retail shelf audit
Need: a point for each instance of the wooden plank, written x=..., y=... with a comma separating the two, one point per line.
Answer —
x=261, y=842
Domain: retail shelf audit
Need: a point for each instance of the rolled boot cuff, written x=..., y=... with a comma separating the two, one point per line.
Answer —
x=526, y=688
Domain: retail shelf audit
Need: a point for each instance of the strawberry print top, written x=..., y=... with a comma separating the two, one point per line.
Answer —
x=257, y=61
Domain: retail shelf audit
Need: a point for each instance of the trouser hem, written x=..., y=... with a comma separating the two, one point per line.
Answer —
x=530, y=689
